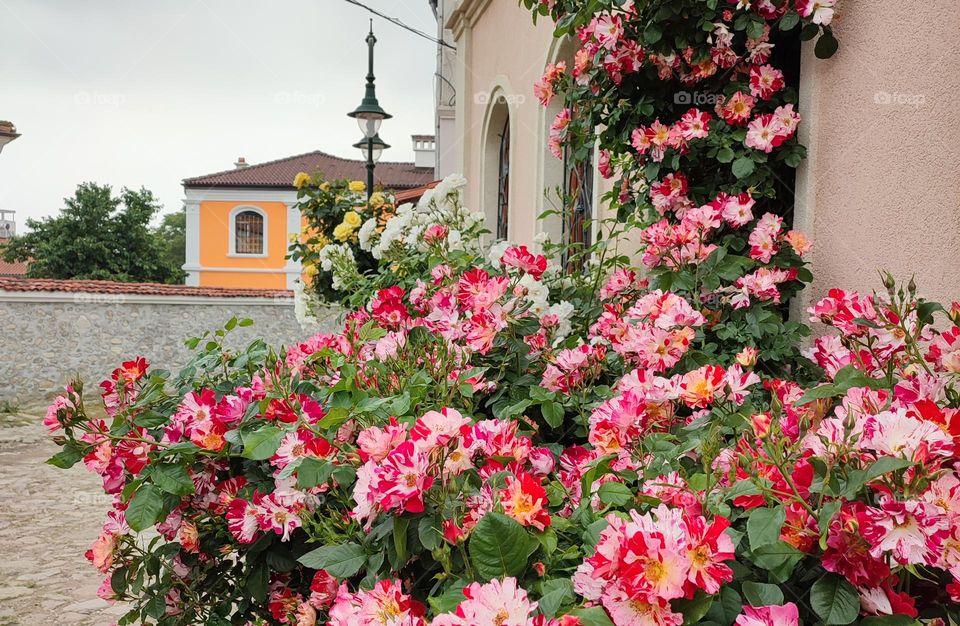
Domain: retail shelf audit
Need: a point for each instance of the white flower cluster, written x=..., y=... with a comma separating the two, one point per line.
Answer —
x=338, y=259
x=441, y=206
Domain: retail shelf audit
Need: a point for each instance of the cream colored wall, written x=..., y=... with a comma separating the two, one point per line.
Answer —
x=881, y=188
x=501, y=52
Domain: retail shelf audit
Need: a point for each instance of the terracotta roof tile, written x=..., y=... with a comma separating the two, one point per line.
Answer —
x=412, y=195
x=12, y=269
x=152, y=289
x=280, y=173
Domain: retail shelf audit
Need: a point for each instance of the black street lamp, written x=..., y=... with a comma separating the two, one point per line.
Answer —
x=369, y=115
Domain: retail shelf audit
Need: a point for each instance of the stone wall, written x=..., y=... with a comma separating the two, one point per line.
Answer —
x=49, y=337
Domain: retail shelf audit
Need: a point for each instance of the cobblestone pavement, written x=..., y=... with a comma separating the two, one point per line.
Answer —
x=48, y=519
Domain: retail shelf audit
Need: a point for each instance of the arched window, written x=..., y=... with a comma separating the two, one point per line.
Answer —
x=248, y=232
x=495, y=166
x=503, y=182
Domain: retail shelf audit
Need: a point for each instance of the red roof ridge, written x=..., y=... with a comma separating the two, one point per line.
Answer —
x=188, y=181
x=118, y=288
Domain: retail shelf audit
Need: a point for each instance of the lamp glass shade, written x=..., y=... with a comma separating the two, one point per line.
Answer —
x=377, y=145
x=369, y=126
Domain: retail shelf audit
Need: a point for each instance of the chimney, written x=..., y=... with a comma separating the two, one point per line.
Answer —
x=241, y=163
x=424, y=151
x=8, y=224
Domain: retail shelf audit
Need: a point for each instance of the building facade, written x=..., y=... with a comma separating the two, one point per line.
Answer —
x=239, y=221
x=879, y=189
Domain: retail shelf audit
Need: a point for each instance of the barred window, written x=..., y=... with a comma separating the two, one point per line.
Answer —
x=248, y=232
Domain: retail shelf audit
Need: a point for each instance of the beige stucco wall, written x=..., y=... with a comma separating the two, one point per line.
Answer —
x=500, y=51
x=881, y=188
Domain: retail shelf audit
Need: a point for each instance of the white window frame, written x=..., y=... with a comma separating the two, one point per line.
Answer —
x=234, y=212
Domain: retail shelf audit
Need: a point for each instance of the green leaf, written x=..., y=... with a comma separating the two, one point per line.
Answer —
x=726, y=607
x=835, y=600
x=763, y=526
x=725, y=155
x=258, y=580
x=761, y=594
x=172, y=479
x=778, y=559
x=341, y=560
x=652, y=33
x=552, y=413
x=593, y=616
x=430, y=533
x=614, y=493
x=556, y=592
x=145, y=507
x=743, y=167
x=809, y=31
x=926, y=309
x=66, y=458
x=400, y=525
x=826, y=46
x=789, y=20
x=313, y=472
x=693, y=610
x=155, y=607
x=449, y=599
x=591, y=534
x=499, y=546
x=262, y=444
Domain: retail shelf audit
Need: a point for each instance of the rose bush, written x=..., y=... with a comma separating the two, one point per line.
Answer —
x=492, y=441
x=449, y=458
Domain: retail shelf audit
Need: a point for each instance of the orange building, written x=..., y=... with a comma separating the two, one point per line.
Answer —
x=239, y=221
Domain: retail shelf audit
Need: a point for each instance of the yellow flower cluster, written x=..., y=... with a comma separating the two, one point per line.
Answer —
x=301, y=179
x=345, y=229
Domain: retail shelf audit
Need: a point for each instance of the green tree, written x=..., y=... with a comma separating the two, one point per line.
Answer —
x=100, y=236
x=172, y=234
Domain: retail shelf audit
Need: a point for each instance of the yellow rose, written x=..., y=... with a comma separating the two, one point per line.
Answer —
x=310, y=270
x=358, y=186
x=301, y=179
x=343, y=231
x=325, y=187
x=376, y=199
x=353, y=219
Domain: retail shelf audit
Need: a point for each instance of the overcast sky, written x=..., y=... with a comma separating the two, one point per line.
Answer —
x=145, y=93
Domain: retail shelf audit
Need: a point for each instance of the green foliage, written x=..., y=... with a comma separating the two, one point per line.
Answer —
x=100, y=236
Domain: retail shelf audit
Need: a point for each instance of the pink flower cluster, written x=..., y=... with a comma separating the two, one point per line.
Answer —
x=656, y=139
x=654, y=331
x=401, y=466
x=643, y=563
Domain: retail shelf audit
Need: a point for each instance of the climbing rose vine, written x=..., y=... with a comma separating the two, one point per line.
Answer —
x=491, y=441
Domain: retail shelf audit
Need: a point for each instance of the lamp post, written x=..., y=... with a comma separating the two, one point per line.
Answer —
x=7, y=133
x=369, y=115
